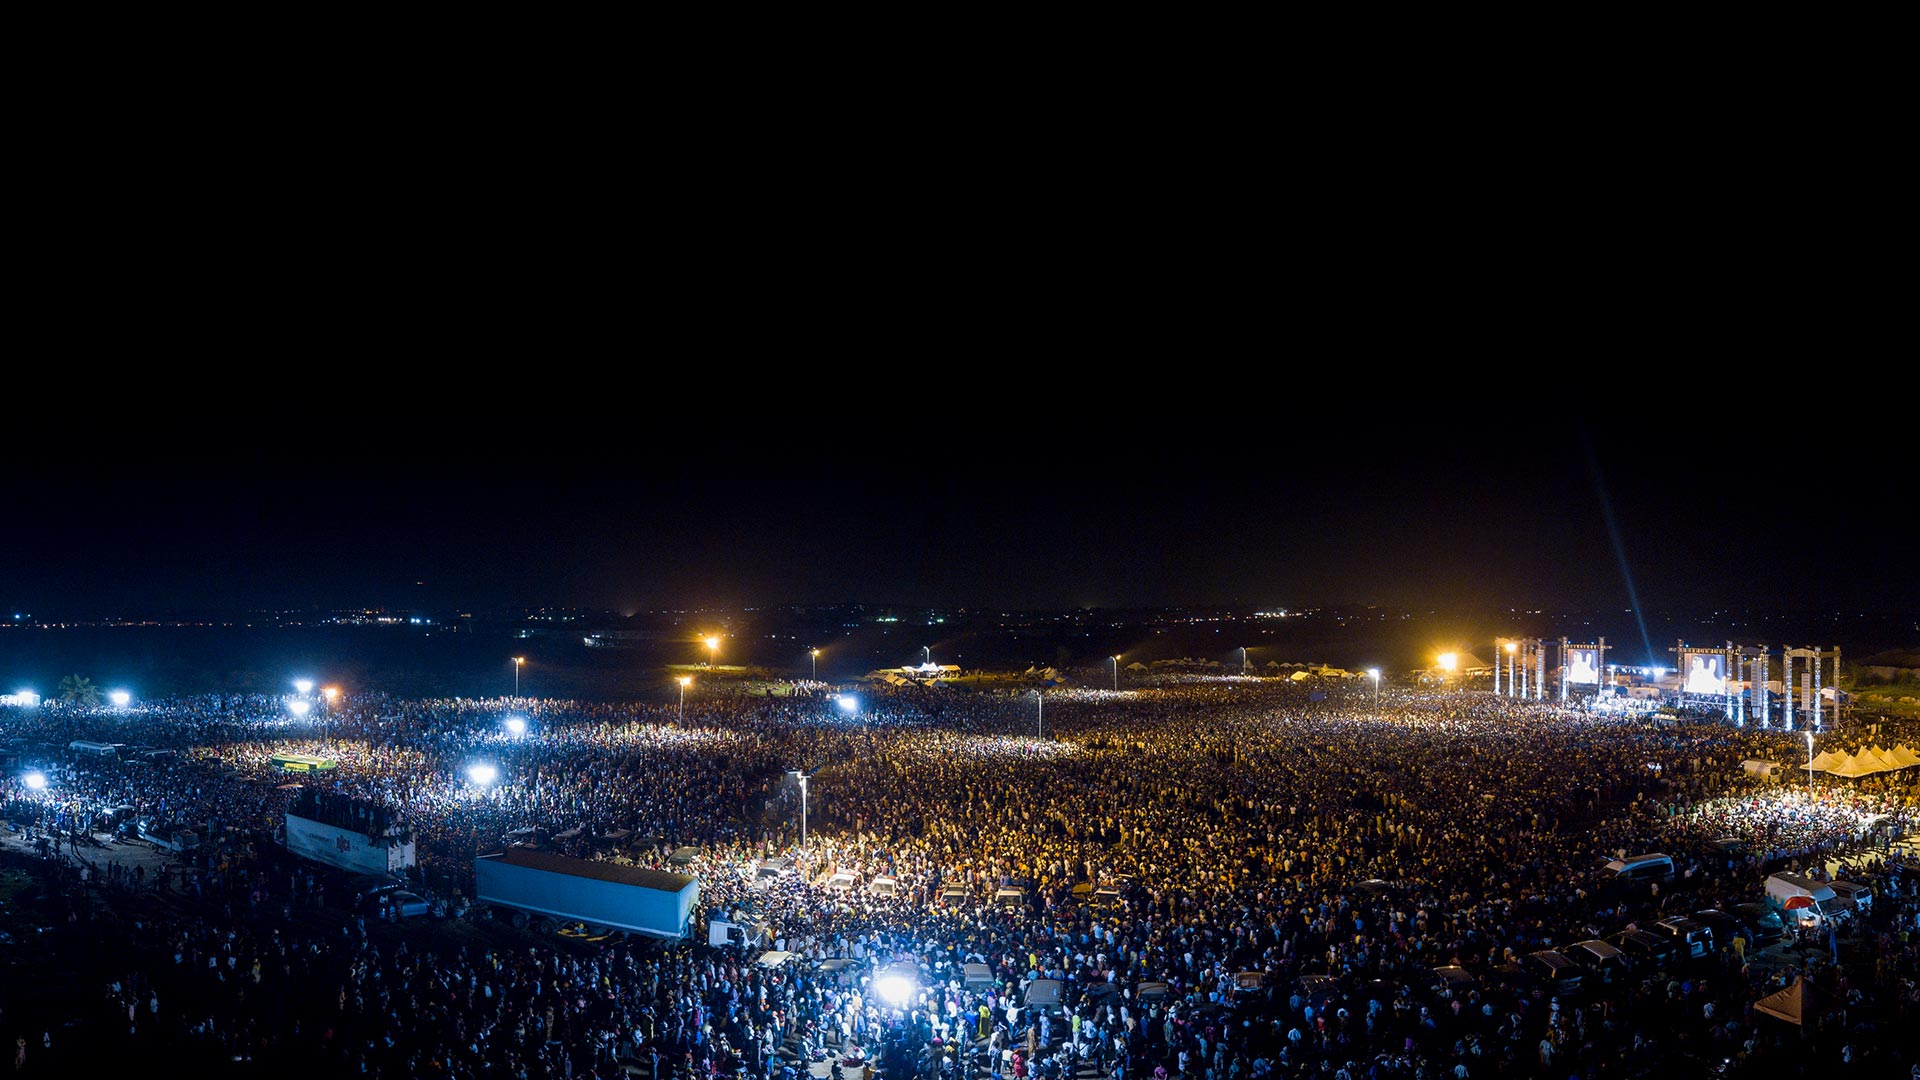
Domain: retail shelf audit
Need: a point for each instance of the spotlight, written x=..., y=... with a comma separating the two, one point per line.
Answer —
x=120, y=698
x=35, y=781
x=847, y=702
x=305, y=686
x=516, y=725
x=299, y=708
x=895, y=990
x=483, y=774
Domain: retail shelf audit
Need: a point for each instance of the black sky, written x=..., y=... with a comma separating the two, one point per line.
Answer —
x=1301, y=504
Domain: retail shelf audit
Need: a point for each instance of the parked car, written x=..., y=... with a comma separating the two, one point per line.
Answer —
x=1765, y=922
x=1604, y=962
x=1553, y=970
x=1649, y=951
x=1726, y=927
x=407, y=902
x=1451, y=981
x=1691, y=940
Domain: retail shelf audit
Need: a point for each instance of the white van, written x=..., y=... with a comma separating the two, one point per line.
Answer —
x=1801, y=901
x=1852, y=895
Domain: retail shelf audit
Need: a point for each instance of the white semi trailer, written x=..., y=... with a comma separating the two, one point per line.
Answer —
x=554, y=890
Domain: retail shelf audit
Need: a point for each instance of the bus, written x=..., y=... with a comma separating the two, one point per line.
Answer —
x=302, y=763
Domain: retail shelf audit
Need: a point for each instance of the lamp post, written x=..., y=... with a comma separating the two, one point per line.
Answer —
x=517, y=661
x=1040, y=715
x=815, y=654
x=1510, y=672
x=1374, y=674
x=685, y=681
x=928, y=649
x=1809, y=764
x=713, y=650
x=1243, y=659
x=802, y=778
x=1116, y=673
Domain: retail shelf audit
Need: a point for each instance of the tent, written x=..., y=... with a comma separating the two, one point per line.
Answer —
x=1905, y=756
x=1825, y=761
x=1852, y=767
x=1791, y=1004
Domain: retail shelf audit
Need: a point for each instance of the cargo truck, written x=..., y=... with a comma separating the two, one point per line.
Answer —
x=552, y=891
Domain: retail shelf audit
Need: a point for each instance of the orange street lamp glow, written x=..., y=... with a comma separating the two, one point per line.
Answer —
x=1448, y=661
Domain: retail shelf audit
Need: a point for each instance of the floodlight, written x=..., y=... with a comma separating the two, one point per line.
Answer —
x=305, y=686
x=331, y=693
x=299, y=708
x=120, y=698
x=482, y=774
x=847, y=702
x=35, y=781
x=517, y=725
x=895, y=990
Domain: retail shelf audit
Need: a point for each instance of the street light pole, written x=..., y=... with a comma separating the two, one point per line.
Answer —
x=803, y=811
x=1375, y=673
x=1809, y=764
x=1243, y=659
x=1040, y=715
x=816, y=664
x=517, y=661
x=929, y=651
x=681, y=719
x=1116, y=673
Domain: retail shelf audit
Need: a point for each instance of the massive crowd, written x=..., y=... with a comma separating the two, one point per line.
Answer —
x=1290, y=869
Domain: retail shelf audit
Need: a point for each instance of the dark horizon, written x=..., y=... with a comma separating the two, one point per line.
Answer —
x=1462, y=513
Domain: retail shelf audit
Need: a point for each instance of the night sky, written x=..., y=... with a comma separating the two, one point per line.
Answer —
x=1305, y=503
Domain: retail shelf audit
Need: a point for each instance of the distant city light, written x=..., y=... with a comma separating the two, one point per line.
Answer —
x=847, y=702
x=483, y=774
x=305, y=686
x=35, y=781
x=120, y=698
x=517, y=725
x=299, y=708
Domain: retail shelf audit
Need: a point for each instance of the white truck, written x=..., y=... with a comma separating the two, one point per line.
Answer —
x=1801, y=901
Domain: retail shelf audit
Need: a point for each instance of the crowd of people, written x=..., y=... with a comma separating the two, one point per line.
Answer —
x=1289, y=862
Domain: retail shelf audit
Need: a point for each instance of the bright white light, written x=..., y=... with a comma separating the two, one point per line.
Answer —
x=516, y=725
x=847, y=702
x=299, y=708
x=1373, y=673
x=120, y=698
x=35, y=781
x=305, y=686
x=895, y=990
x=483, y=774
